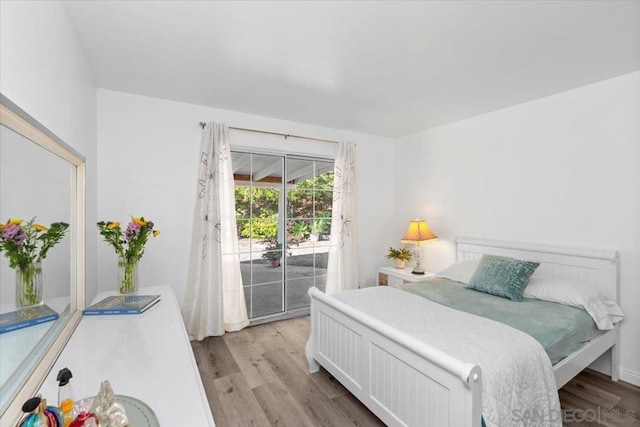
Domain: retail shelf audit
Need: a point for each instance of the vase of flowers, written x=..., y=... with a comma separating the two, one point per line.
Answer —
x=129, y=246
x=25, y=244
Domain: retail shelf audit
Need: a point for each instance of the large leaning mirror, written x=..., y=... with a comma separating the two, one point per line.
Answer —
x=41, y=253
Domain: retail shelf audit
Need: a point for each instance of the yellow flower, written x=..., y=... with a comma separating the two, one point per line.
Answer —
x=40, y=227
x=156, y=233
x=16, y=221
x=138, y=220
x=112, y=225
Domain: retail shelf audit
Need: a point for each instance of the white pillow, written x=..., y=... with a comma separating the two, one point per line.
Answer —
x=601, y=307
x=460, y=271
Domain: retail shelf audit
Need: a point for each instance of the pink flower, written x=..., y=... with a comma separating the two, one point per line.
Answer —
x=133, y=229
x=14, y=233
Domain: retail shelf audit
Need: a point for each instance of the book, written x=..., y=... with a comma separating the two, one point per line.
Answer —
x=122, y=304
x=26, y=317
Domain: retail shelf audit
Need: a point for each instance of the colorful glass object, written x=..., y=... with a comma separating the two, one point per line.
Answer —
x=109, y=412
x=83, y=417
x=40, y=415
x=66, y=400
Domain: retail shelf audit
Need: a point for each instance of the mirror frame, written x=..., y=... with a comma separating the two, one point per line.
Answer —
x=56, y=338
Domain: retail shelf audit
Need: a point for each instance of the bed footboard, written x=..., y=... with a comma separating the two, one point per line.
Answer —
x=403, y=381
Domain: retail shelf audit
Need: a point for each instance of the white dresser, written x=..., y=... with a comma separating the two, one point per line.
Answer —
x=147, y=356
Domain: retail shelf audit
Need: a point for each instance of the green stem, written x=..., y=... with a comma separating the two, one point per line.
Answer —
x=28, y=285
x=129, y=280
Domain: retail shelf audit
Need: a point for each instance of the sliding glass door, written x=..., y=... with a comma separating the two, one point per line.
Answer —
x=283, y=211
x=309, y=199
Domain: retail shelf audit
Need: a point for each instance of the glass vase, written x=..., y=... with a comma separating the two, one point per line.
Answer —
x=127, y=276
x=29, y=285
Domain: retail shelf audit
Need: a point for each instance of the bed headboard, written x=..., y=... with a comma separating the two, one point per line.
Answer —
x=598, y=268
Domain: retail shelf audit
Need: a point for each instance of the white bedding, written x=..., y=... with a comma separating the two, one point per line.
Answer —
x=518, y=385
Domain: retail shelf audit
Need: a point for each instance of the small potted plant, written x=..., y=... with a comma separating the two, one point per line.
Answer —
x=316, y=229
x=399, y=256
x=320, y=228
x=273, y=253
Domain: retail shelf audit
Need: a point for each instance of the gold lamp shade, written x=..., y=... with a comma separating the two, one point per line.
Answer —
x=418, y=231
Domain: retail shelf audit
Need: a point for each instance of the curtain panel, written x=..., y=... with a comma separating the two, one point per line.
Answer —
x=214, y=298
x=342, y=267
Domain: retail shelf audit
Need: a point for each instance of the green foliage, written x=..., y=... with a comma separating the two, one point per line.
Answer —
x=28, y=243
x=320, y=182
x=128, y=244
x=316, y=191
x=264, y=204
x=263, y=228
x=257, y=208
x=401, y=254
x=300, y=229
x=322, y=225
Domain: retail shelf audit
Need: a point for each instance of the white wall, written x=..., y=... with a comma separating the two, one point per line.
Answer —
x=560, y=170
x=148, y=150
x=49, y=178
x=44, y=71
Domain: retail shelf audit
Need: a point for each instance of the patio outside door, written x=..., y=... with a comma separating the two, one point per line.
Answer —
x=283, y=212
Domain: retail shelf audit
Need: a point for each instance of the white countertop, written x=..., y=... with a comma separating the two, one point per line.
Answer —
x=15, y=346
x=146, y=356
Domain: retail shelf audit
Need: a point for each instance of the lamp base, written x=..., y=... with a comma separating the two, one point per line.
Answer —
x=417, y=268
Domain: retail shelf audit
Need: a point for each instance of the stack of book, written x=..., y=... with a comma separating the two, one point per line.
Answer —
x=26, y=317
x=122, y=304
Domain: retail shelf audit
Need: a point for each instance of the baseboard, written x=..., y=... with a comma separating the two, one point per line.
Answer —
x=290, y=314
x=632, y=377
x=603, y=365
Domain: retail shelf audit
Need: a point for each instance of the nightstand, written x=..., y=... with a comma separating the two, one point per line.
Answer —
x=391, y=276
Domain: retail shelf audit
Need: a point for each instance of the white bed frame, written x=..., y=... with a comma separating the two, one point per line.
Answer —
x=406, y=382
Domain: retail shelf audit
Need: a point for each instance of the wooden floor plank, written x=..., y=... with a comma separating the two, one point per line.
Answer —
x=356, y=411
x=214, y=402
x=330, y=386
x=215, y=358
x=247, y=353
x=591, y=393
x=209, y=372
x=268, y=337
x=239, y=404
x=318, y=407
x=294, y=331
x=327, y=383
x=280, y=407
x=571, y=405
x=629, y=393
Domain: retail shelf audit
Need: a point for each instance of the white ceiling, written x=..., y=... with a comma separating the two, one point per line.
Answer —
x=385, y=68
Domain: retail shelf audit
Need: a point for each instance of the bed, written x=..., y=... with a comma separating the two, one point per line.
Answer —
x=408, y=381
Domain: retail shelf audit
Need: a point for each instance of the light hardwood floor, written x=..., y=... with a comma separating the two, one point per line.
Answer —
x=259, y=377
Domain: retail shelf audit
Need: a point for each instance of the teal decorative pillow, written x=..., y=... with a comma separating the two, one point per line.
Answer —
x=502, y=276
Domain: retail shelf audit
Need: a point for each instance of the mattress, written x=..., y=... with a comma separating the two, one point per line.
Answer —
x=559, y=328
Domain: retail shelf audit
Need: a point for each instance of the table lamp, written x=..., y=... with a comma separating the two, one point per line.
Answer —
x=418, y=232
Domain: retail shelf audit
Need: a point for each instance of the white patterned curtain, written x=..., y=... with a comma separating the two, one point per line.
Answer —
x=214, y=299
x=342, y=267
